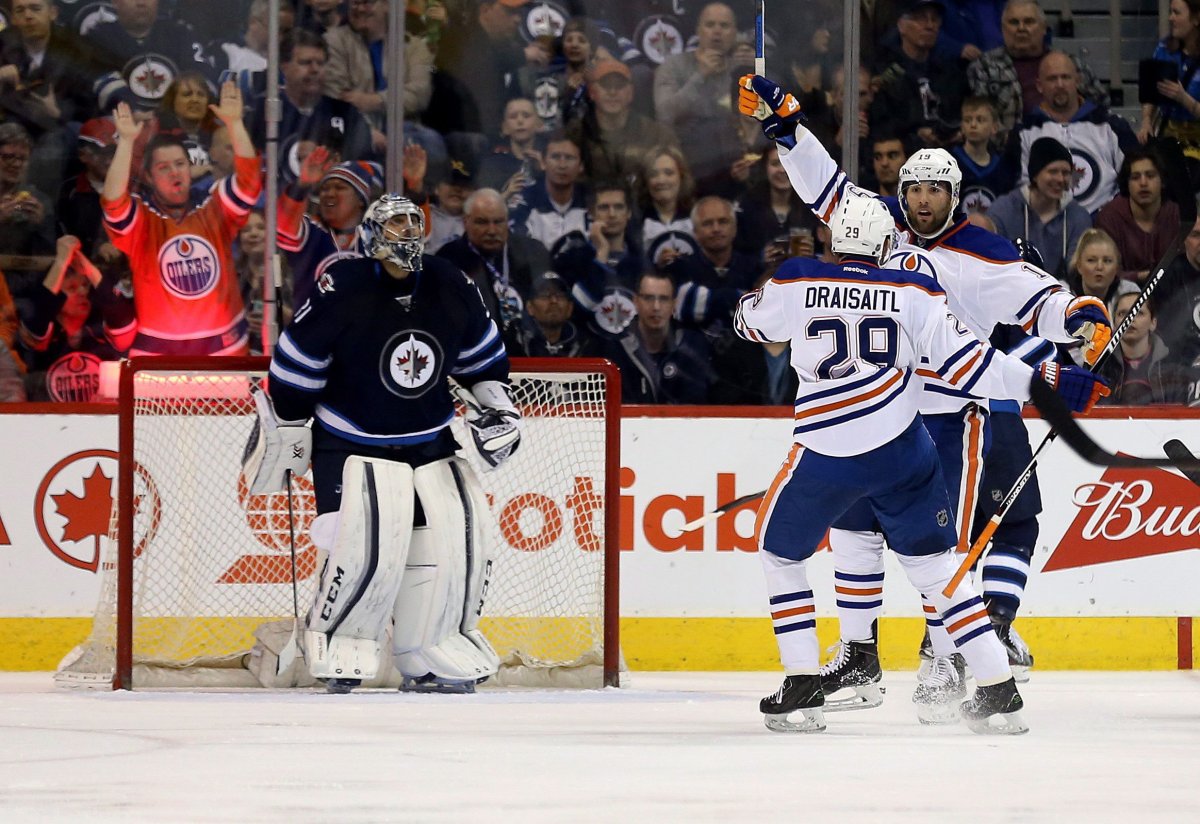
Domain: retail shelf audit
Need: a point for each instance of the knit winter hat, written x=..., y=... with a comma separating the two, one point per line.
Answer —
x=365, y=177
x=1043, y=152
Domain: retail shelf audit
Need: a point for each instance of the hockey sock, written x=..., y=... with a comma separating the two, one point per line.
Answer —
x=1005, y=573
x=858, y=581
x=942, y=645
x=793, y=614
x=964, y=616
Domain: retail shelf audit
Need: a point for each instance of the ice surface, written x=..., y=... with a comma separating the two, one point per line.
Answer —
x=672, y=747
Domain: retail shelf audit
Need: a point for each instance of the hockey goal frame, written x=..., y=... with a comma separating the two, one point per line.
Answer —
x=126, y=503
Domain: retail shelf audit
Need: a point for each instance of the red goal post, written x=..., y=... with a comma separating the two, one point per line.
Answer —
x=195, y=567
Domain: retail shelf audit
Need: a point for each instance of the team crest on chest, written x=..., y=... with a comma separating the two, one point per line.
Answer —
x=189, y=266
x=73, y=378
x=614, y=313
x=409, y=362
x=659, y=37
x=909, y=261
x=149, y=75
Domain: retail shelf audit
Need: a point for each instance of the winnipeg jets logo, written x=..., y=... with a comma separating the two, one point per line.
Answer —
x=545, y=19
x=614, y=313
x=943, y=517
x=149, y=76
x=658, y=37
x=409, y=362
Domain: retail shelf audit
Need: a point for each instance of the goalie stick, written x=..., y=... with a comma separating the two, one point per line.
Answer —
x=288, y=654
x=993, y=523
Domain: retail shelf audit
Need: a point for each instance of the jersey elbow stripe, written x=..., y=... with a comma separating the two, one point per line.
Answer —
x=122, y=221
x=950, y=362
x=288, y=346
x=1028, y=313
x=296, y=380
x=490, y=335
x=983, y=367
x=481, y=364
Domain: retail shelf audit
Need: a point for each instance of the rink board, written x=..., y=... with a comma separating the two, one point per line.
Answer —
x=1110, y=588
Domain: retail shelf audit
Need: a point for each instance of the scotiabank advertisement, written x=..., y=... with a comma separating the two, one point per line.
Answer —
x=1114, y=542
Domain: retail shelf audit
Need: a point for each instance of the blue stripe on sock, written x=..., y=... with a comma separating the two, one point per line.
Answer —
x=975, y=633
x=859, y=605
x=1005, y=574
x=809, y=624
x=965, y=605
x=865, y=579
x=791, y=596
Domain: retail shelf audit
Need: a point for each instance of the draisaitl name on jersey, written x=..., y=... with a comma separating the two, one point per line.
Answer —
x=865, y=298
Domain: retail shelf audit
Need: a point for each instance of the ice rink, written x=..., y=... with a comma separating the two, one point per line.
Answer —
x=672, y=747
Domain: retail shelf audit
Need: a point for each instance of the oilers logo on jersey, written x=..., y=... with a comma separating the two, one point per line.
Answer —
x=410, y=360
x=912, y=261
x=189, y=266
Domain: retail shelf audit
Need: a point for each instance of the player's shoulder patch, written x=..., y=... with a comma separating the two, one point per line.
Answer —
x=344, y=277
x=980, y=243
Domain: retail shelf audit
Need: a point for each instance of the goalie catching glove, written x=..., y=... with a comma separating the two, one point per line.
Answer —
x=275, y=448
x=494, y=421
x=1079, y=388
x=1088, y=320
x=776, y=110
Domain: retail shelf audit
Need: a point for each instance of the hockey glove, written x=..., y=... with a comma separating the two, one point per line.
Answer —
x=777, y=111
x=275, y=448
x=1087, y=319
x=1079, y=388
x=495, y=423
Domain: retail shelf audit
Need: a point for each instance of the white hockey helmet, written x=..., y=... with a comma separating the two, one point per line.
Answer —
x=862, y=225
x=404, y=241
x=931, y=166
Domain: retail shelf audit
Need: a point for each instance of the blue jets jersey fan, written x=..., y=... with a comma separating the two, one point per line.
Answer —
x=858, y=335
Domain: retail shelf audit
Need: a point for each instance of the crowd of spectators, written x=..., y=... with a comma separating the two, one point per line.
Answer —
x=581, y=161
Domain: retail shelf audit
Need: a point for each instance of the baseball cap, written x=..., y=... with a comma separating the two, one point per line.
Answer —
x=512, y=4
x=98, y=133
x=915, y=5
x=549, y=282
x=607, y=67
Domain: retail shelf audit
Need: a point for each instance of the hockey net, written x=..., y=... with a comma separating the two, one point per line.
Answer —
x=194, y=567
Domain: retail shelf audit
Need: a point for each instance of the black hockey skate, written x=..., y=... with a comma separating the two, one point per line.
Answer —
x=1020, y=659
x=995, y=710
x=341, y=686
x=799, y=693
x=855, y=666
x=941, y=685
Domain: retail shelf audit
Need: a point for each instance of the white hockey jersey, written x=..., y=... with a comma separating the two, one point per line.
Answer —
x=860, y=336
x=985, y=281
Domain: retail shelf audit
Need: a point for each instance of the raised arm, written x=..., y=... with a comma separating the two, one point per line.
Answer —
x=116, y=182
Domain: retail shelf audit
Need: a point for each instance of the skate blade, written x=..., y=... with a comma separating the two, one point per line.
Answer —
x=1001, y=723
x=865, y=697
x=1020, y=673
x=435, y=687
x=937, y=715
x=808, y=720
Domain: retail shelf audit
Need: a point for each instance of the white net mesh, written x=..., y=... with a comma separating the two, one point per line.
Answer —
x=212, y=563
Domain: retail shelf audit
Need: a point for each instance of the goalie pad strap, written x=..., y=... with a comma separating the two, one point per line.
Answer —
x=362, y=573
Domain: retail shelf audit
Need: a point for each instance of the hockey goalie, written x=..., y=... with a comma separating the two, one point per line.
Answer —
x=402, y=521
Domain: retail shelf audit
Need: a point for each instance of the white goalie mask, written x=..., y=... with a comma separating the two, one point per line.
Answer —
x=862, y=226
x=931, y=166
x=393, y=228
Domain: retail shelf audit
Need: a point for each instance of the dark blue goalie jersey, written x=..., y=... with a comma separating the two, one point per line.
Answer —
x=368, y=355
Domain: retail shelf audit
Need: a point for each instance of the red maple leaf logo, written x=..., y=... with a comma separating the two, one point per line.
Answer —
x=413, y=363
x=87, y=516
x=151, y=79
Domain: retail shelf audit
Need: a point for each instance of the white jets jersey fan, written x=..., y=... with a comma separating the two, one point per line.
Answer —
x=859, y=333
x=984, y=279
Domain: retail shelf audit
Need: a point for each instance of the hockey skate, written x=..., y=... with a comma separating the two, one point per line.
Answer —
x=941, y=685
x=855, y=666
x=995, y=710
x=1020, y=659
x=798, y=694
x=341, y=686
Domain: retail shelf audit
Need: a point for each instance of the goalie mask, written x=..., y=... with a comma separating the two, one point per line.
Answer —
x=862, y=226
x=931, y=166
x=393, y=229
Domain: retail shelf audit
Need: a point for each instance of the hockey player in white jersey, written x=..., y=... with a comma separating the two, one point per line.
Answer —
x=986, y=283
x=402, y=522
x=860, y=335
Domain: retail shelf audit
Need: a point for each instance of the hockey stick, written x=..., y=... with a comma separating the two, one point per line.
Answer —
x=993, y=523
x=692, y=526
x=760, y=39
x=287, y=655
x=1181, y=455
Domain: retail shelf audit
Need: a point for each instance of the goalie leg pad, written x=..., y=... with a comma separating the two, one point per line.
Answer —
x=361, y=575
x=441, y=598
